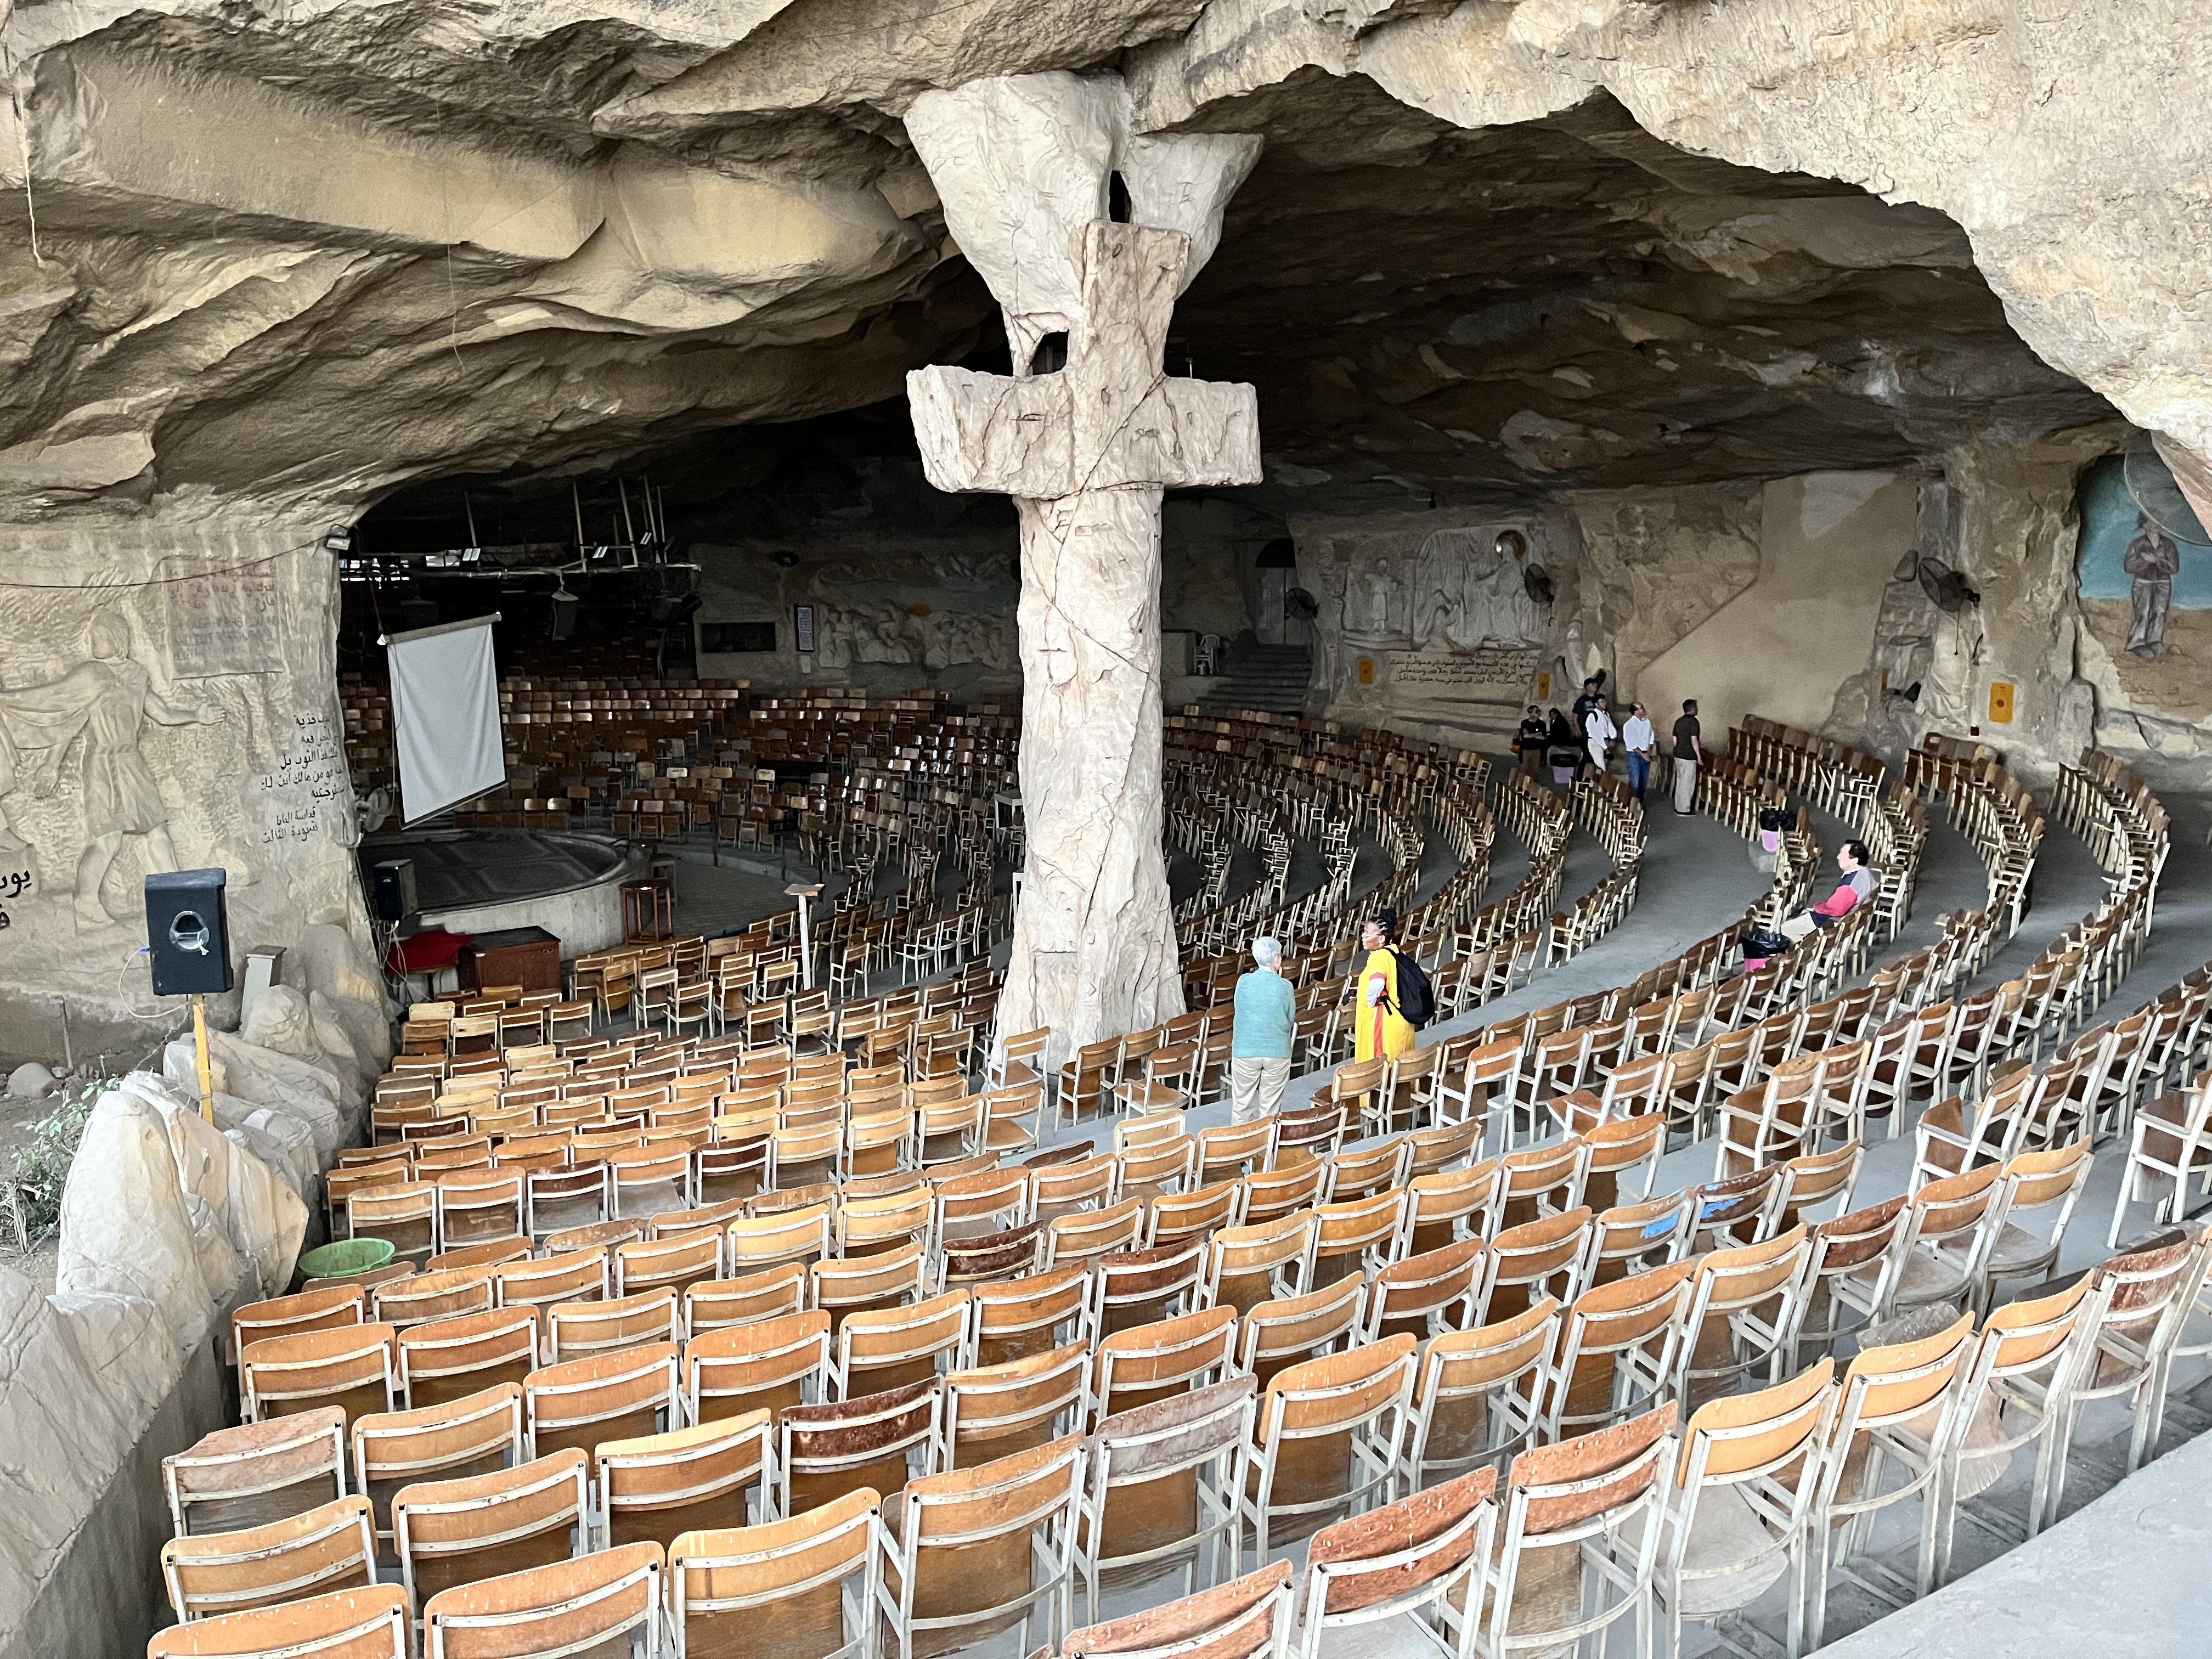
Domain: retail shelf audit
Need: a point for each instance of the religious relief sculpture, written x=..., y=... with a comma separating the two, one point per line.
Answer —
x=1471, y=589
x=2152, y=562
x=108, y=700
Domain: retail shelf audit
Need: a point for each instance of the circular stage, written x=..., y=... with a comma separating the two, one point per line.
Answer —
x=486, y=881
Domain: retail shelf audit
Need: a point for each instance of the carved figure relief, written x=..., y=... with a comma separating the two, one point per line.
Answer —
x=105, y=701
x=1470, y=590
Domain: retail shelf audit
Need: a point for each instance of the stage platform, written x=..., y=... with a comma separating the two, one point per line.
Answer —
x=484, y=881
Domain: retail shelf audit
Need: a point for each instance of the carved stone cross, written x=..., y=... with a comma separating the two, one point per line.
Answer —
x=1085, y=450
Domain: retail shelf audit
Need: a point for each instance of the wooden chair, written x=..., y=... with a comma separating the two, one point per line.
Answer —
x=296, y=1316
x=1596, y=1500
x=826, y=1451
x=476, y=1206
x=674, y=1262
x=582, y=1330
x=893, y=1346
x=1540, y=1258
x=1330, y=1433
x=450, y=1359
x=1947, y=1233
x=766, y=1364
x=1015, y=1251
x=1012, y=1319
x=477, y=1434
x=2169, y=1146
x=1423, y=1558
x=2140, y=1302
x=1294, y=1184
x=1138, y=1466
x=1479, y=1396
x=1425, y=1295
x=2016, y=1382
x=2045, y=1184
x=1224, y=1154
x=1251, y=1264
x=983, y=1547
x=357, y=1624
x=1277, y=1335
x=621, y=1395
x=1898, y=1397
x=800, y=1236
x=1451, y=1206
x=998, y=1410
x=1086, y=1235
x=716, y=1304
x=1743, y=1486
x=329, y=1548
x=353, y=1367
x=258, y=1472
x=1620, y=1350
x=656, y=1487
x=869, y=1284
x=451, y=1533
x=542, y=1281
x=1180, y=1218
x=1133, y=1368
x=1743, y=1313
x=596, y=1601
x=1361, y=1235
x=776, y=1590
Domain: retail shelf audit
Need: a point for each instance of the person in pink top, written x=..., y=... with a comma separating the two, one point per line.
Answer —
x=1854, y=890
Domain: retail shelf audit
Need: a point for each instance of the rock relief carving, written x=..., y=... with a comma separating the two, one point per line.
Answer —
x=102, y=704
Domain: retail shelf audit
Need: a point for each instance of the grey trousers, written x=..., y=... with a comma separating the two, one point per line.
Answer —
x=1686, y=784
x=1255, y=1087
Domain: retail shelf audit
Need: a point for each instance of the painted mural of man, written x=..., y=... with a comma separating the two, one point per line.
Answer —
x=108, y=700
x=2153, y=560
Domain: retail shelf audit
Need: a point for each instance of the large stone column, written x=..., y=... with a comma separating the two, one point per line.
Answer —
x=1084, y=436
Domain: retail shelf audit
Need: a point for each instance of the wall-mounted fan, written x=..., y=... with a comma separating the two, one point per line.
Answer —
x=1945, y=587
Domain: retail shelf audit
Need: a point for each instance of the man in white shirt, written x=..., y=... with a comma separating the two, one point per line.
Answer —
x=1600, y=732
x=1642, y=744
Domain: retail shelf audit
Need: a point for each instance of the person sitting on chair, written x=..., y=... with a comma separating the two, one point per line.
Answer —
x=1855, y=889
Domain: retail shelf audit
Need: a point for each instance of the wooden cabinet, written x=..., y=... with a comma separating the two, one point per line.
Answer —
x=528, y=957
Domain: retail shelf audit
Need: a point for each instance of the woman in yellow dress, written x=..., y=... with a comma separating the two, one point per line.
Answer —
x=1380, y=1029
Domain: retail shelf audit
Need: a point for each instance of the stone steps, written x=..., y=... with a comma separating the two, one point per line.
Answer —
x=1269, y=677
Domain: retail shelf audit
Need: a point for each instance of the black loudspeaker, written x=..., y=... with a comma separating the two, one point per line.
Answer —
x=187, y=935
x=395, y=889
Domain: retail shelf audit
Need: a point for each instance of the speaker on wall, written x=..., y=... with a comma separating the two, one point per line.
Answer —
x=395, y=890
x=187, y=933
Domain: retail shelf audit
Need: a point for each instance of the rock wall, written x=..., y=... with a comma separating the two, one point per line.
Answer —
x=166, y=1225
x=1783, y=644
x=168, y=700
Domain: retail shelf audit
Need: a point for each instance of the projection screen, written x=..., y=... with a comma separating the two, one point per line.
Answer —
x=445, y=711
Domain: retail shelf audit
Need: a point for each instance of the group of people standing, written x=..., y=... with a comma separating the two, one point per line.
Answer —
x=1572, y=747
x=1266, y=1016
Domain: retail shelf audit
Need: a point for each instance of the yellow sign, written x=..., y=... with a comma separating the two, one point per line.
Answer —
x=1544, y=686
x=1367, y=671
x=2001, y=702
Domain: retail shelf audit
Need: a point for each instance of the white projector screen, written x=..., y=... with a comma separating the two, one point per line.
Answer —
x=444, y=710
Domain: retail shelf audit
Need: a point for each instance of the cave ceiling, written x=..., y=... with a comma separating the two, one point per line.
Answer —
x=358, y=254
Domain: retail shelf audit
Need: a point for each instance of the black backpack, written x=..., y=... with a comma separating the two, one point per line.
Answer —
x=1417, y=997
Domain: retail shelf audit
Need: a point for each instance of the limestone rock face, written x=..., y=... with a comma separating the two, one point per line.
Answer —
x=1656, y=564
